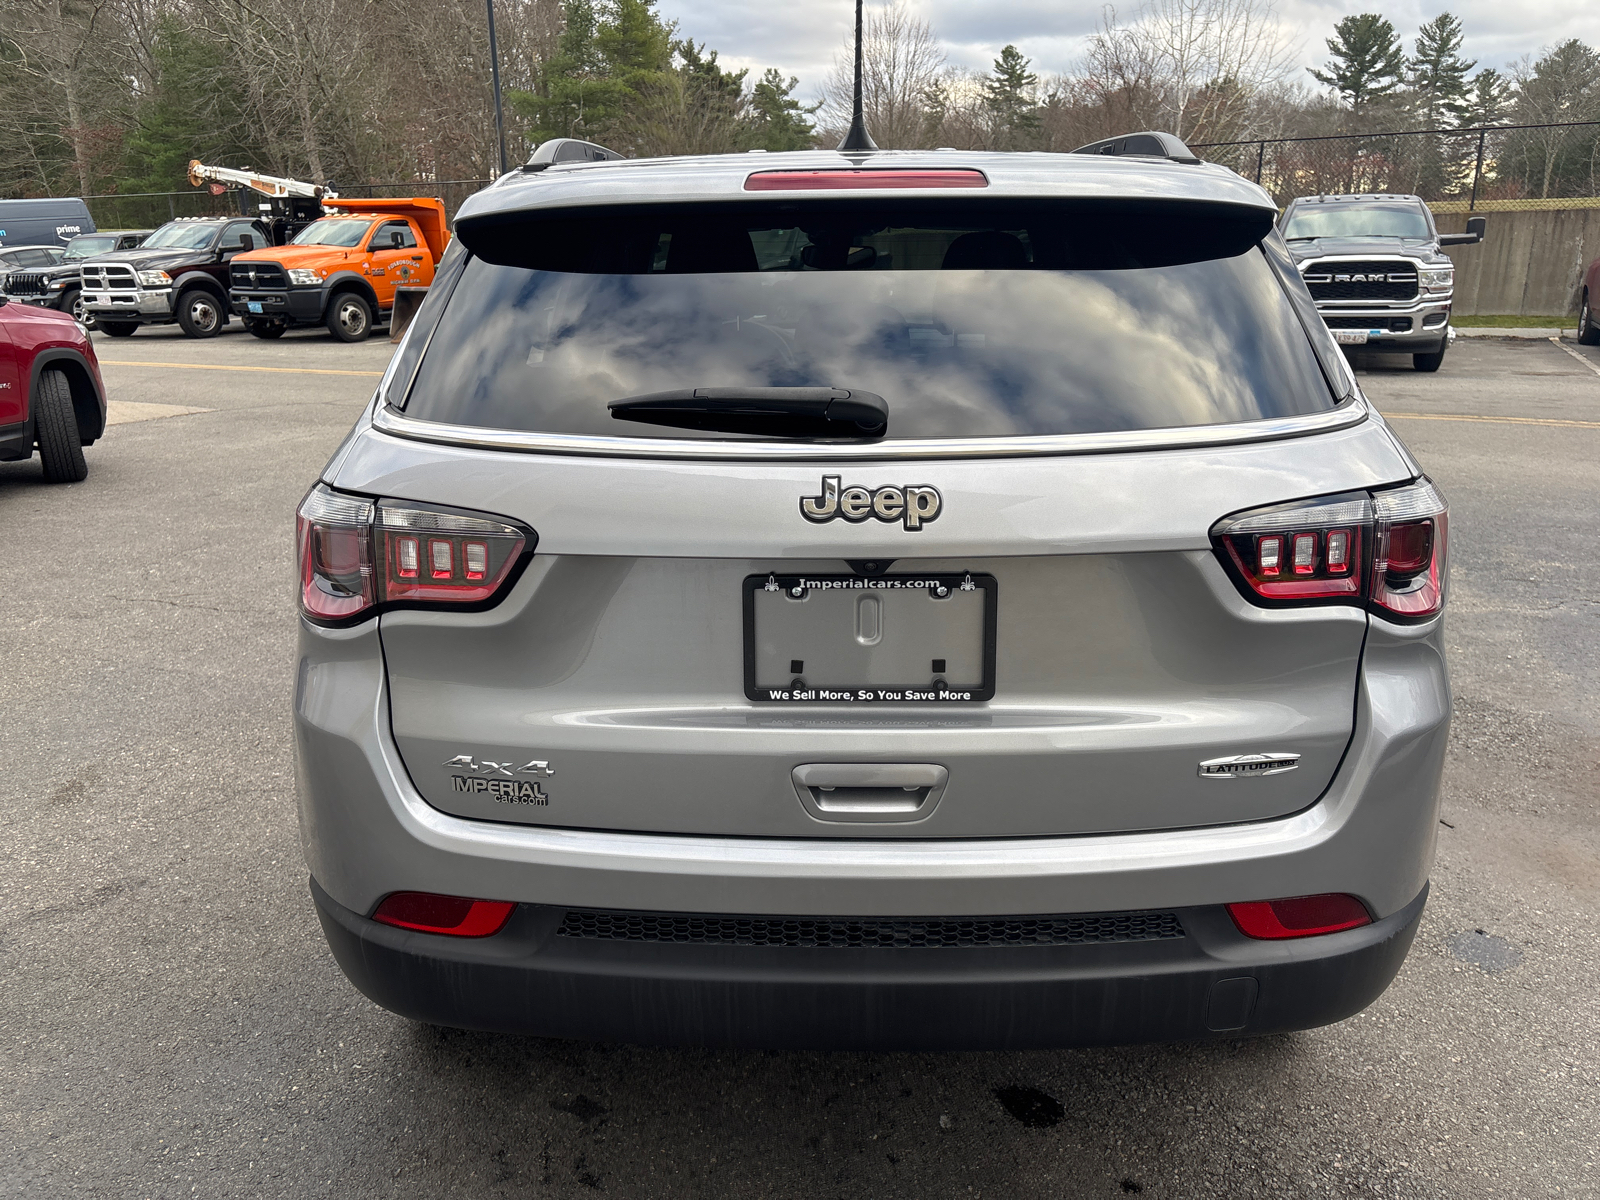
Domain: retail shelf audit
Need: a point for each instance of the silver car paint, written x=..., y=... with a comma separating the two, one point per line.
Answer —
x=367, y=829
x=367, y=832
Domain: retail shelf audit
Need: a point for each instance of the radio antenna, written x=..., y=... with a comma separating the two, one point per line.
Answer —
x=857, y=138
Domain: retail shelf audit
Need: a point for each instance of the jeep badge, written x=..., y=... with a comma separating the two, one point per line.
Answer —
x=915, y=506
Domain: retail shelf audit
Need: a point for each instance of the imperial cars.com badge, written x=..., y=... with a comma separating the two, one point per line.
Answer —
x=499, y=780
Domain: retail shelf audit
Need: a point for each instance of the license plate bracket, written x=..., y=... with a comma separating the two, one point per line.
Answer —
x=925, y=638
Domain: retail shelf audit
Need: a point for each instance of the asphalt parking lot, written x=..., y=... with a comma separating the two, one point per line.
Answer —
x=171, y=1023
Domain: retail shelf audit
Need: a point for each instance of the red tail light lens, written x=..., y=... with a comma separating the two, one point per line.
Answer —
x=1385, y=550
x=1299, y=916
x=1409, y=571
x=863, y=178
x=334, y=533
x=454, y=915
x=1302, y=552
x=357, y=556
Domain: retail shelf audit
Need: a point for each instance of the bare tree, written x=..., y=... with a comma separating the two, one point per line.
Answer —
x=1192, y=67
x=68, y=46
x=901, y=68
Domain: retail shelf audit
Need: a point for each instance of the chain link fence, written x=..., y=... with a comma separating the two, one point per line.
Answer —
x=147, y=210
x=1499, y=168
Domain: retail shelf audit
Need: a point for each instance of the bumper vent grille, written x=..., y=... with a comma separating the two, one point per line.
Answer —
x=871, y=933
x=1388, y=280
x=1392, y=324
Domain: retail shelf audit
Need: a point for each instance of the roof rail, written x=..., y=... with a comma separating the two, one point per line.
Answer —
x=566, y=150
x=1143, y=145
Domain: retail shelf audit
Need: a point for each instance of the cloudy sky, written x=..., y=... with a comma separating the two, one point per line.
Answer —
x=800, y=38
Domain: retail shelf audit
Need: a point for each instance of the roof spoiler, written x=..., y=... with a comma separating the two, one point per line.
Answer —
x=1142, y=145
x=566, y=150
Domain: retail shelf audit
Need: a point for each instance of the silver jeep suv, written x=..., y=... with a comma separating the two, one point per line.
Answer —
x=871, y=600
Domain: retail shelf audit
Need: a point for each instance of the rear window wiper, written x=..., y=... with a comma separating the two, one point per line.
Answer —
x=787, y=412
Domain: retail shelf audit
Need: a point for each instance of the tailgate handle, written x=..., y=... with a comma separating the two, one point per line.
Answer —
x=869, y=791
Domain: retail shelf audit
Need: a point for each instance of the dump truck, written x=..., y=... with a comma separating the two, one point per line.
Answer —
x=341, y=271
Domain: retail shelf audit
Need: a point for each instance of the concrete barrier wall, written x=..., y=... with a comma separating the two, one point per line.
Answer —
x=1530, y=263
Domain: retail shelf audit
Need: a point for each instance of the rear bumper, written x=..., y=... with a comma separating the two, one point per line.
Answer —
x=1213, y=982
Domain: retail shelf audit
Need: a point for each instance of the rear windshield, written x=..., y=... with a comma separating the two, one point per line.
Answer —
x=970, y=322
x=1357, y=220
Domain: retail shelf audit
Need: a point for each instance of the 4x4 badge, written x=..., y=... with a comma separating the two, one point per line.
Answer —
x=913, y=506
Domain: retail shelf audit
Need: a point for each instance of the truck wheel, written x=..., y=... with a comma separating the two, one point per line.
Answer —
x=349, y=317
x=268, y=330
x=118, y=328
x=200, y=313
x=1430, y=362
x=72, y=303
x=1588, y=332
x=55, y=427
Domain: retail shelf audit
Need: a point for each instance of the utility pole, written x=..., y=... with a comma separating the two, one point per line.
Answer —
x=494, y=70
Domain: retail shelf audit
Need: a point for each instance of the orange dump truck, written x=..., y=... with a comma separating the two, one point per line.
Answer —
x=340, y=271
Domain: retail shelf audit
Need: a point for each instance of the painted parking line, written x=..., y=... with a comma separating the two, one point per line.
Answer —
x=124, y=412
x=118, y=362
x=1551, y=421
x=1561, y=346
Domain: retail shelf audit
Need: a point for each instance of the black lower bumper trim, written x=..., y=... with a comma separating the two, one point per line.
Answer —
x=1212, y=982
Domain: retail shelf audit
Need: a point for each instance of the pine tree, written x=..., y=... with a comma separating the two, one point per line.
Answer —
x=1438, y=73
x=777, y=120
x=1008, y=96
x=1487, y=99
x=1368, y=61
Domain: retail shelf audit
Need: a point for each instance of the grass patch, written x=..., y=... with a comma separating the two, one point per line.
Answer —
x=1494, y=321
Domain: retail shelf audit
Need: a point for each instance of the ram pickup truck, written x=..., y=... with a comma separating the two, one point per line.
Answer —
x=179, y=273
x=341, y=271
x=59, y=286
x=1374, y=266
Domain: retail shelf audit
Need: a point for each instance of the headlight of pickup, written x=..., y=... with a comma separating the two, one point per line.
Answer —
x=1438, y=279
x=154, y=278
x=303, y=276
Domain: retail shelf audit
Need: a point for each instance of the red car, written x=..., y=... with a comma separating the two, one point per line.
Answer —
x=51, y=395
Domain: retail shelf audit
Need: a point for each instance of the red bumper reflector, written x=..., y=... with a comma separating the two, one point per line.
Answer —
x=457, y=916
x=870, y=177
x=1299, y=916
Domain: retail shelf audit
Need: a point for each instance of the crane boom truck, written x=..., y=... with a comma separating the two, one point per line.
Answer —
x=291, y=204
x=332, y=262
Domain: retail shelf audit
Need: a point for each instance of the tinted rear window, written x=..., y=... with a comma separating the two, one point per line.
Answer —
x=971, y=321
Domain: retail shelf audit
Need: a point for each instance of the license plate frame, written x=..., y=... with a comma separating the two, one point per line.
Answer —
x=1351, y=337
x=958, y=583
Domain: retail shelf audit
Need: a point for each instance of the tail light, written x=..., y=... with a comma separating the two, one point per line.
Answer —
x=358, y=555
x=457, y=916
x=1385, y=550
x=1299, y=916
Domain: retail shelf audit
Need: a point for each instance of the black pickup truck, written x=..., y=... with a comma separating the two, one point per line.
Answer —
x=1374, y=266
x=179, y=274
